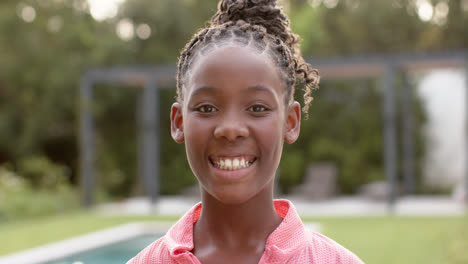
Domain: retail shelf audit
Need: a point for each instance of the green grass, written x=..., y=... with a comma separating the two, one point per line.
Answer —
x=386, y=240
x=26, y=234
x=381, y=240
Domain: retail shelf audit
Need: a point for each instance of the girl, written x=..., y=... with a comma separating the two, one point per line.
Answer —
x=235, y=108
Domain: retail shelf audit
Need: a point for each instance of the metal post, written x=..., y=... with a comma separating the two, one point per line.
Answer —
x=390, y=154
x=87, y=141
x=466, y=132
x=150, y=119
x=408, y=147
x=140, y=109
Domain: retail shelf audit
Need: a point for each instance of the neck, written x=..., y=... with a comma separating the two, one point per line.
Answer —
x=237, y=225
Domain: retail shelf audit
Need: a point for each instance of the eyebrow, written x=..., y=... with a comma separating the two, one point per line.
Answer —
x=210, y=89
x=203, y=89
x=260, y=88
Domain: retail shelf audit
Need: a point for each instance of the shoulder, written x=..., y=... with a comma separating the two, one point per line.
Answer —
x=295, y=243
x=176, y=244
x=156, y=253
x=323, y=250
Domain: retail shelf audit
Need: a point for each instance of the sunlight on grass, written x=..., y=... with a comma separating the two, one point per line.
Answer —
x=400, y=240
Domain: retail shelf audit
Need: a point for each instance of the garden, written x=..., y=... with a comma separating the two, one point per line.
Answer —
x=47, y=46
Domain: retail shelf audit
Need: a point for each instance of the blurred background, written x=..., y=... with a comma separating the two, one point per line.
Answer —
x=46, y=47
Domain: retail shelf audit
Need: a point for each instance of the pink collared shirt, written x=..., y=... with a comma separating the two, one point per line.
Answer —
x=290, y=242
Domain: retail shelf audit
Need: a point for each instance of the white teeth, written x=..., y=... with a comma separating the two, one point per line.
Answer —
x=232, y=164
x=235, y=164
x=228, y=164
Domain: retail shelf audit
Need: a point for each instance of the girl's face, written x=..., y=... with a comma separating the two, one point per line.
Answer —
x=234, y=121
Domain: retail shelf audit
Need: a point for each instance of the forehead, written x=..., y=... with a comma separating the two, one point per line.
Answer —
x=234, y=67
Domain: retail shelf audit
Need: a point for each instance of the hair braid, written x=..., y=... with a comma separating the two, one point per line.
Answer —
x=260, y=24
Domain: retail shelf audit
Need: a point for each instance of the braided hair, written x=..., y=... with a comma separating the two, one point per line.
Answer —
x=258, y=24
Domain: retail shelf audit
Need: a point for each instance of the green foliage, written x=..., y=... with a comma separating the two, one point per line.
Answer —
x=116, y=138
x=291, y=169
x=40, y=70
x=173, y=22
x=40, y=193
x=41, y=173
x=175, y=172
x=117, y=143
x=345, y=127
x=370, y=27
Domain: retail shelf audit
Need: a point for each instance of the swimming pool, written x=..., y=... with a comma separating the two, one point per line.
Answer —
x=112, y=245
x=119, y=252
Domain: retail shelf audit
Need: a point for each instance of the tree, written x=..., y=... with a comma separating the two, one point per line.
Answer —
x=42, y=61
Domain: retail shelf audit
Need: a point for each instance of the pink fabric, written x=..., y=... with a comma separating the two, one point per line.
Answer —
x=289, y=243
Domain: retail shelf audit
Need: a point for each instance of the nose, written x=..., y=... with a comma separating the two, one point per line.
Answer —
x=231, y=128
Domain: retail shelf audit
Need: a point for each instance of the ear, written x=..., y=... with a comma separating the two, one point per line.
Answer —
x=293, y=122
x=177, y=123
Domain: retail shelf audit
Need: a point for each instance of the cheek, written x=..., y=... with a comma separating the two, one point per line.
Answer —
x=195, y=127
x=197, y=136
x=270, y=135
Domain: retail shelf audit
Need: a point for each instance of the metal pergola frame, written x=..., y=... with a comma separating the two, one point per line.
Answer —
x=385, y=68
x=149, y=79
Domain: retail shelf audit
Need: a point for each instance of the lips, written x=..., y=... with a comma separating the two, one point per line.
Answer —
x=232, y=163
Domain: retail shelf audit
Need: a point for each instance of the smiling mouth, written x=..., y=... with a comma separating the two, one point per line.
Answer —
x=232, y=163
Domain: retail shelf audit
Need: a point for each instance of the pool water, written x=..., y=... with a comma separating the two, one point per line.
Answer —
x=114, y=253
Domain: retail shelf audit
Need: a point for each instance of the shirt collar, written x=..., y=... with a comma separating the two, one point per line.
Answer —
x=180, y=236
x=288, y=237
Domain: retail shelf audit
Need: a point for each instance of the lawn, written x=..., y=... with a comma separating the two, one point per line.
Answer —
x=381, y=240
x=389, y=240
x=31, y=233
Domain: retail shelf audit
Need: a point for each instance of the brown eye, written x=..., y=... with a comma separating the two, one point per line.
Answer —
x=257, y=108
x=207, y=109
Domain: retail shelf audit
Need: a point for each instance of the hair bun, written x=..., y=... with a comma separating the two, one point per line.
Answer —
x=255, y=12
